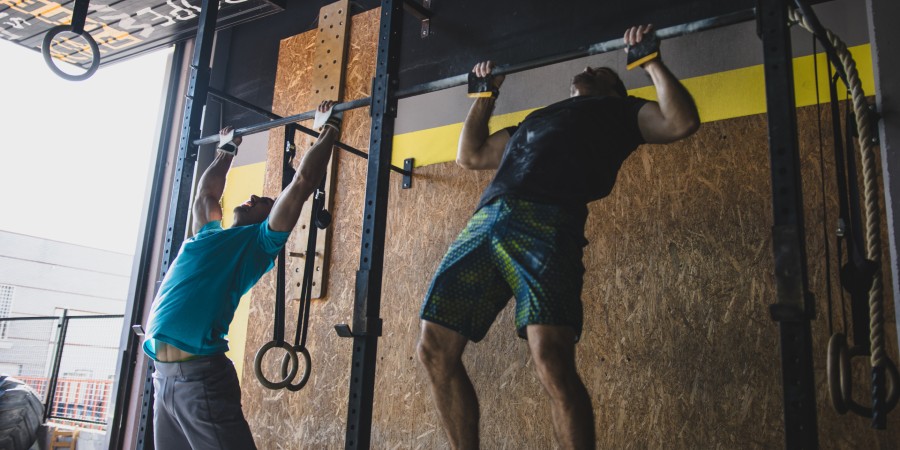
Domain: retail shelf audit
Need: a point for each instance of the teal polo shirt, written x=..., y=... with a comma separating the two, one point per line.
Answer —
x=197, y=299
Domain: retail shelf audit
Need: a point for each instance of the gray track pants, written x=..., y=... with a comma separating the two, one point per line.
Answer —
x=198, y=406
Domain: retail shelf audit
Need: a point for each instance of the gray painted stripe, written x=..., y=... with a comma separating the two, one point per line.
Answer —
x=713, y=51
x=253, y=149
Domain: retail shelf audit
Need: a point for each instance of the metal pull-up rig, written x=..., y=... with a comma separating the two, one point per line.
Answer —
x=793, y=306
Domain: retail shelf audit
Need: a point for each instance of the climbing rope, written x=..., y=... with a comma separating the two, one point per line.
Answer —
x=870, y=185
x=877, y=356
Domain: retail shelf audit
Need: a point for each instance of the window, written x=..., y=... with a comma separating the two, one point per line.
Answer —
x=6, y=298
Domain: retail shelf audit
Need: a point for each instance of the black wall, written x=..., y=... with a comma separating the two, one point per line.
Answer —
x=462, y=33
x=246, y=57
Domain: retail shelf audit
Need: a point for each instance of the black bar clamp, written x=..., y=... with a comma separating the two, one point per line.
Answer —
x=421, y=12
x=407, y=172
x=874, y=117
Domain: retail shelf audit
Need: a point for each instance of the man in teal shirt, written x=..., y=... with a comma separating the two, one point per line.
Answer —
x=197, y=396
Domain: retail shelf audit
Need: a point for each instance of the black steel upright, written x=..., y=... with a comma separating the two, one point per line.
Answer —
x=367, y=302
x=180, y=203
x=793, y=308
x=57, y=358
x=195, y=100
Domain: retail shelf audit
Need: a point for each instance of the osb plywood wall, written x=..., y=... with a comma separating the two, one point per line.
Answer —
x=678, y=349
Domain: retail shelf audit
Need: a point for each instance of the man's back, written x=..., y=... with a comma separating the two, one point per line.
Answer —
x=568, y=153
x=197, y=298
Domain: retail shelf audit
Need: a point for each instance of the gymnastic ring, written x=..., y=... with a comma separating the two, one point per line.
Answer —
x=856, y=408
x=257, y=365
x=893, y=394
x=48, y=41
x=840, y=380
x=838, y=370
x=306, y=371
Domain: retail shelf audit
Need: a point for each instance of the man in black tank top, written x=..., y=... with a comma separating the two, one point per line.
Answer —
x=526, y=236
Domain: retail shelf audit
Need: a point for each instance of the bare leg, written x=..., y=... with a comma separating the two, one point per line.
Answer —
x=440, y=352
x=553, y=350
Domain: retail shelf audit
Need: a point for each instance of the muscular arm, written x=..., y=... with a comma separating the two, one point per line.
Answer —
x=209, y=191
x=286, y=210
x=479, y=150
x=675, y=116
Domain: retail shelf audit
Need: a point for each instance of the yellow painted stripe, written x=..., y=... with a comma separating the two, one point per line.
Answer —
x=719, y=96
x=437, y=145
x=242, y=181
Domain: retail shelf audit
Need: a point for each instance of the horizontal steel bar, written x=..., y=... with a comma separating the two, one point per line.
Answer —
x=353, y=104
x=416, y=9
x=272, y=116
x=346, y=147
x=595, y=49
x=99, y=316
x=215, y=93
x=78, y=420
x=459, y=80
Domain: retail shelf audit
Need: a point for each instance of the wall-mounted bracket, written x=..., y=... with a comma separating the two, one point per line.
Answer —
x=343, y=330
x=407, y=172
x=372, y=328
x=874, y=118
x=422, y=12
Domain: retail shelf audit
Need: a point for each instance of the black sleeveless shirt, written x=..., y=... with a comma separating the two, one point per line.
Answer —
x=568, y=153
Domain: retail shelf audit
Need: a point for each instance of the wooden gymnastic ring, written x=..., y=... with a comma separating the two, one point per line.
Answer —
x=289, y=375
x=306, y=371
x=48, y=41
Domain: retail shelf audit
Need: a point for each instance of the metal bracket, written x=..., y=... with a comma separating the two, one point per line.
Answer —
x=421, y=12
x=874, y=118
x=343, y=330
x=789, y=270
x=791, y=313
x=407, y=172
x=371, y=327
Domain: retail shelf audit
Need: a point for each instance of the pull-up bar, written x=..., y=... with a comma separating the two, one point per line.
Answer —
x=459, y=80
x=215, y=93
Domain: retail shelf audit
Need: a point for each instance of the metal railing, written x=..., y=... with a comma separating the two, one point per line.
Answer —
x=69, y=360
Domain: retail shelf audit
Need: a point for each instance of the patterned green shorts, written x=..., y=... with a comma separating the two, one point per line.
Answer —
x=510, y=247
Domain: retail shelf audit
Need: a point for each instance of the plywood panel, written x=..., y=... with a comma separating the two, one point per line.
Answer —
x=678, y=350
x=327, y=84
x=314, y=417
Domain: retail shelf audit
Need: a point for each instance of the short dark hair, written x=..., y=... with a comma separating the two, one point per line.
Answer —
x=620, y=87
x=591, y=79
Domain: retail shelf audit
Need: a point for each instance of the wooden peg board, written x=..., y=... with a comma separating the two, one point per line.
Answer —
x=328, y=81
